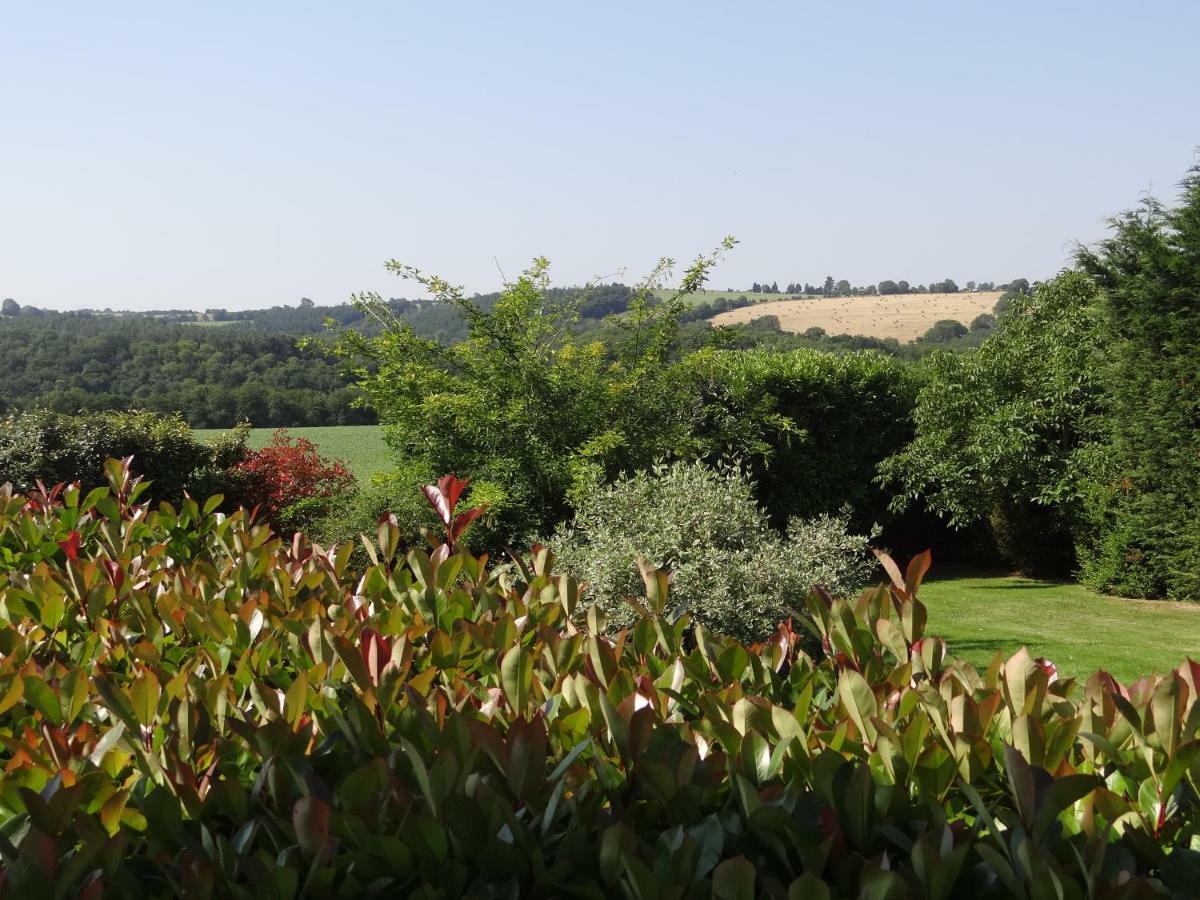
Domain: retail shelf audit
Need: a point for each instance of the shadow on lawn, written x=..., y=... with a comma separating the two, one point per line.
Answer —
x=1007, y=645
x=1023, y=585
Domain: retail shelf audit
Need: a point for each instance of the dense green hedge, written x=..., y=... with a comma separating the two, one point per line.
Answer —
x=1144, y=499
x=191, y=707
x=811, y=426
x=56, y=447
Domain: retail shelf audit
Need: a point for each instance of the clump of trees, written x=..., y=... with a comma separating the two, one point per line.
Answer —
x=998, y=431
x=217, y=377
x=533, y=414
x=1075, y=429
x=1143, y=493
x=538, y=416
x=945, y=330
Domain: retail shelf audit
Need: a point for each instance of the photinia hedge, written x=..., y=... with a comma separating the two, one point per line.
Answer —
x=191, y=706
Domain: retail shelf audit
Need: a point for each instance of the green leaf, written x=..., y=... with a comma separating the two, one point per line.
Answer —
x=110, y=812
x=516, y=677
x=310, y=818
x=1020, y=782
x=43, y=698
x=145, y=695
x=808, y=887
x=164, y=814
x=709, y=835
x=53, y=608
x=1165, y=706
x=890, y=636
x=734, y=879
x=526, y=757
x=295, y=699
x=858, y=698
x=421, y=772
x=1058, y=797
x=615, y=842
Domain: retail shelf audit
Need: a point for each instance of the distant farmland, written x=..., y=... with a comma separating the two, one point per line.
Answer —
x=361, y=446
x=901, y=316
x=708, y=296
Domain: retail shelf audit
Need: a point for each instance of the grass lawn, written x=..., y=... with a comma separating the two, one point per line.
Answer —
x=1077, y=629
x=361, y=446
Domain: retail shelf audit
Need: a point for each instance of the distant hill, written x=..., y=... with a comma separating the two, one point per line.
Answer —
x=222, y=367
x=905, y=317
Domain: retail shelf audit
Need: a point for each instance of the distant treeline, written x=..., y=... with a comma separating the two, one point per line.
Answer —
x=247, y=366
x=843, y=288
x=254, y=366
x=216, y=377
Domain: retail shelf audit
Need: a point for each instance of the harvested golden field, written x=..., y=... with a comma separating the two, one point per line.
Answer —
x=901, y=316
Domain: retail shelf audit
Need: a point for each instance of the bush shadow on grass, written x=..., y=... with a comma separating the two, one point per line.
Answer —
x=1007, y=646
x=1026, y=584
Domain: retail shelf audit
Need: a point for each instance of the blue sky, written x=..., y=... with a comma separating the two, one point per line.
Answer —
x=237, y=155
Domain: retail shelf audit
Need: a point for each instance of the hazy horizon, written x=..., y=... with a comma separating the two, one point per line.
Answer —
x=240, y=157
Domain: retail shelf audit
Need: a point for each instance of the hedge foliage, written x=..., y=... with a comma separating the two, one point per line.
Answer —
x=51, y=447
x=811, y=426
x=192, y=707
x=1145, y=492
x=538, y=416
x=529, y=412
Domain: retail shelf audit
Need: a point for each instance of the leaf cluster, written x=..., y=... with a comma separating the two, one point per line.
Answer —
x=192, y=707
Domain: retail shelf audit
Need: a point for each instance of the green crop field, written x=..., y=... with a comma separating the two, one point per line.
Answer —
x=361, y=446
x=1075, y=628
x=707, y=296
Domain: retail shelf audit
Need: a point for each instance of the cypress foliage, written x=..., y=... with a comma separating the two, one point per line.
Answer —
x=1144, y=502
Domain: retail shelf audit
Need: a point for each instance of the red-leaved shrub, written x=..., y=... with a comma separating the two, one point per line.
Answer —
x=287, y=471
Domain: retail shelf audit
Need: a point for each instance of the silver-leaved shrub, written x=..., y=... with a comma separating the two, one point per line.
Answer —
x=730, y=569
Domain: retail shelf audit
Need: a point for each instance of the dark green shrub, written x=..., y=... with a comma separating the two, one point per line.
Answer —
x=983, y=322
x=1001, y=432
x=812, y=427
x=54, y=447
x=1035, y=538
x=943, y=331
x=729, y=568
x=1144, y=494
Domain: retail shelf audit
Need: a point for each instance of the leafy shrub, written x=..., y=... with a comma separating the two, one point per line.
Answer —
x=530, y=412
x=291, y=483
x=983, y=322
x=54, y=447
x=395, y=496
x=944, y=330
x=729, y=568
x=999, y=432
x=812, y=427
x=191, y=707
x=1033, y=537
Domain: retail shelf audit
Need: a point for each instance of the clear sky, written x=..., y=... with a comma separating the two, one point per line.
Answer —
x=240, y=154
